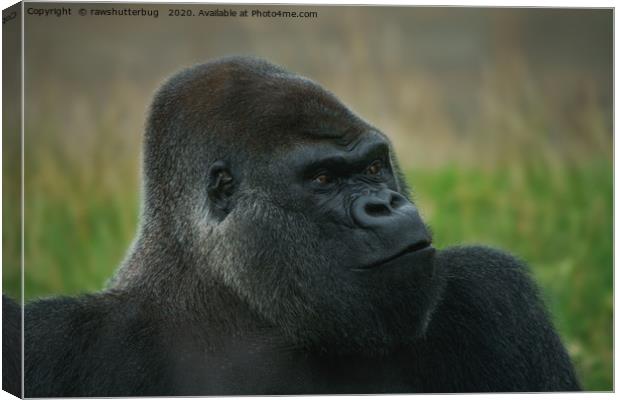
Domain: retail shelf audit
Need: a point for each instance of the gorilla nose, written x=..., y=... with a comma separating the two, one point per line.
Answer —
x=393, y=219
x=382, y=209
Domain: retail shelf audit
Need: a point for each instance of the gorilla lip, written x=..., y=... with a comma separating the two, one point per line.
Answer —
x=417, y=247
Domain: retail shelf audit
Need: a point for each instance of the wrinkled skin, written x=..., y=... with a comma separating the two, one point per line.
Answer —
x=279, y=253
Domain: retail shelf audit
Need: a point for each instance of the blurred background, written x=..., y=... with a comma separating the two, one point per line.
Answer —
x=502, y=119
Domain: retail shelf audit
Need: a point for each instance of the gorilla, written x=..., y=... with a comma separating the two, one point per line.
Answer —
x=279, y=253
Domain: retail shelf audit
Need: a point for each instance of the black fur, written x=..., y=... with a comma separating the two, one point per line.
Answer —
x=278, y=253
x=11, y=347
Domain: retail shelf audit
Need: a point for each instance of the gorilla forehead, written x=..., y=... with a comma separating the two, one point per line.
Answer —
x=243, y=101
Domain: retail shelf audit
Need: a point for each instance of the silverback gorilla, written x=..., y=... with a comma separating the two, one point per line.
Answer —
x=279, y=253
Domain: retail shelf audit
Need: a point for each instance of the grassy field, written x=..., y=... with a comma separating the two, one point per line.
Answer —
x=558, y=220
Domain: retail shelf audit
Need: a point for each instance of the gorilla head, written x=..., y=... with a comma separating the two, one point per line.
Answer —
x=261, y=182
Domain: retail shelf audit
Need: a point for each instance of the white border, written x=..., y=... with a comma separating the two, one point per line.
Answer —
x=478, y=3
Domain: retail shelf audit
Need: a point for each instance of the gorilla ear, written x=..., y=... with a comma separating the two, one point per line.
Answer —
x=220, y=187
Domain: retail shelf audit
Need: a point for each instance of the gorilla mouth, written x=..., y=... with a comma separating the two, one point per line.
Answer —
x=419, y=246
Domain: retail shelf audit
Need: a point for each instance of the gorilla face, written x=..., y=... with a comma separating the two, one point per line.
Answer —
x=297, y=205
x=349, y=190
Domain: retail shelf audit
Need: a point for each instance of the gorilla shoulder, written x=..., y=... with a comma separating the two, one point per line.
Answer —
x=96, y=340
x=491, y=313
x=488, y=277
x=464, y=259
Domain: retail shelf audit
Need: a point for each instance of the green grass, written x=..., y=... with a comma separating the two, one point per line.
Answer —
x=558, y=220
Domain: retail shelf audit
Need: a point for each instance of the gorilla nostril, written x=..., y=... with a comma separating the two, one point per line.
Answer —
x=397, y=201
x=376, y=209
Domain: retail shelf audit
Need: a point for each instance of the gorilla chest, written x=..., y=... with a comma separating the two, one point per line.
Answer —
x=250, y=370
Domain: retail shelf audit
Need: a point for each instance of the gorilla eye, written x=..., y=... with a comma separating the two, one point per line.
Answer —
x=323, y=179
x=375, y=168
